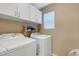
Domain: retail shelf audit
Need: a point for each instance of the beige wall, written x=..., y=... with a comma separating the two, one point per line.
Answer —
x=65, y=37
x=7, y=26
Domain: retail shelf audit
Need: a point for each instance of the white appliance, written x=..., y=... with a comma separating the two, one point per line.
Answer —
x=74, y=52
x=17, y=45
x=43, y=44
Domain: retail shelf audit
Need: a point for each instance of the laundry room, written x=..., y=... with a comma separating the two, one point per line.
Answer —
x=39, y=29
x=21, y=30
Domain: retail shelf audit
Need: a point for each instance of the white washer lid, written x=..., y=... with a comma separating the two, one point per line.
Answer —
x=39, y=36
x=11, y=44
x=14, y=42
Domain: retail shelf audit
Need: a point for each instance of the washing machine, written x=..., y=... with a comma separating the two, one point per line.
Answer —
x=43, y=44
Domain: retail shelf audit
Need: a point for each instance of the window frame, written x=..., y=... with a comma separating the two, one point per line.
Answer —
x=52, y=20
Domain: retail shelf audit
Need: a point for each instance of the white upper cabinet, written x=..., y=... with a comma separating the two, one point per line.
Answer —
x=35, y=15
x=23, y=11
x=9, y=9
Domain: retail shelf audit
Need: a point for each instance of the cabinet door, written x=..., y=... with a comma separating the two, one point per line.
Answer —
x=23, y=11
x=35, y=14
x=8, y=9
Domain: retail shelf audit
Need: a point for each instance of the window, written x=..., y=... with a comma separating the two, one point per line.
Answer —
x=49, y=20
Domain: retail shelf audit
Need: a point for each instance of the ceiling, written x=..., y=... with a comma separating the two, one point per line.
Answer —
x=40, y=5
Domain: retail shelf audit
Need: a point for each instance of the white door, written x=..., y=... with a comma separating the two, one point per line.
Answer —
x=35, y=14
x=23, y=11
x=9, y=9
